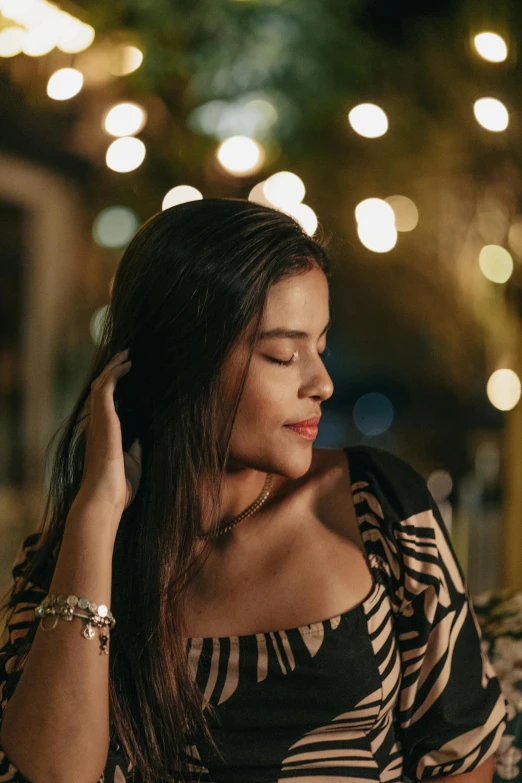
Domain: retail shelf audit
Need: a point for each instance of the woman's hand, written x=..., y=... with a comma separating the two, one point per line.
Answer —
x=110, y=475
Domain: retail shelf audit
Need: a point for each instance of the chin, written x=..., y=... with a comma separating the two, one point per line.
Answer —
x=293, y=462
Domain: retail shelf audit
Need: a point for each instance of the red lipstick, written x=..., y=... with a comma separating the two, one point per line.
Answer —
x=308, y=428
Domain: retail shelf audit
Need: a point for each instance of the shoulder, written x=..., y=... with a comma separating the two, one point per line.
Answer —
x=392, y=479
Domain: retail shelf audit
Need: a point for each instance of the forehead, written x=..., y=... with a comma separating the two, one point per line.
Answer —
x=301, y=296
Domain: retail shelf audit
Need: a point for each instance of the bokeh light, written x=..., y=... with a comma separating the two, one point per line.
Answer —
x=368, y=120
x=115, y=226
x=284, y=189
x=11, y=41
x=305, y=216
x=240, y=155
x=491, y=114
x=125, y=119
x=40, y=40
x=373, y=413
x=125, y=154
x=257, y=194
x=496, y=263
x=491, y=46
x=64, y=84
x=180, y=195
x=76, y=38
x=125, y=59
x=96, y=323
x=406, y=212
x=503, y=389
x=515, y=237
x=376, y=225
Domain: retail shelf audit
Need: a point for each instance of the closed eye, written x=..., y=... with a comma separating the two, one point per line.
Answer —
x=288, y=362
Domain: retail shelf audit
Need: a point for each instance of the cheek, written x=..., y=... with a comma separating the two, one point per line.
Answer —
x=266, y=399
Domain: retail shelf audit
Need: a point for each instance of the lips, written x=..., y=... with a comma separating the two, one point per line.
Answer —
x=313, y=422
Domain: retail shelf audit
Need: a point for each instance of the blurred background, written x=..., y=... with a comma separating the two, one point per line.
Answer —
x=391, y=127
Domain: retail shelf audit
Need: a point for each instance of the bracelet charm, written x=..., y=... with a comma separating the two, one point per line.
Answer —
x=66, y=607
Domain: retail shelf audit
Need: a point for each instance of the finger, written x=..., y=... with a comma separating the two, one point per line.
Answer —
x=108, y=379
x=116, y=361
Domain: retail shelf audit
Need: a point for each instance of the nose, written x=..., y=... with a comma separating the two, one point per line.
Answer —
x=320, y=384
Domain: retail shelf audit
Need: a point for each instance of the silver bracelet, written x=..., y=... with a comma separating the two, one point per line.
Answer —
x=64, y=607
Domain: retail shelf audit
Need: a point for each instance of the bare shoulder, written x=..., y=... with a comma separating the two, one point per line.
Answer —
x=332, y=489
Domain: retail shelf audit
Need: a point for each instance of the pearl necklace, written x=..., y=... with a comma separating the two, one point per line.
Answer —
x=258, y=502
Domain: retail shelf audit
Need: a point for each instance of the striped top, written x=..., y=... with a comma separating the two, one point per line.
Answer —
x=396, y=687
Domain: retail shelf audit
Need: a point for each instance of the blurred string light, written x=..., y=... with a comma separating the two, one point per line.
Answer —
x=125, y=59
x=368, y=120
x=491, y=114
x=125, y=119
x=285, y=191
x=180, y=195
x=515, y=236
x=503, y=389
x=373, y=413
x=125, y=154
x=115, y=226
x=64, y=84
x=96, y=323
x=376, y=225
x=406, y=212
x=11, y=41
x=496, y=263
x=491, y=46
x=240, y=155
x=46, y=27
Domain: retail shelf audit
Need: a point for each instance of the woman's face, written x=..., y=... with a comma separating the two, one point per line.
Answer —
x=286, y=381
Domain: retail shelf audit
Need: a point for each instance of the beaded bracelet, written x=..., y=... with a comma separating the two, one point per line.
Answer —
x=64, y=607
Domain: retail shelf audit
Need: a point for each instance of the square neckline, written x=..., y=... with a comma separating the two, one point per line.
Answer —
x=307, y=628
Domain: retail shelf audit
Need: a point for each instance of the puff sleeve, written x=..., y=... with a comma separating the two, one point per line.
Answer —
x=20, y=621
x=18, y=624
x=452, y=713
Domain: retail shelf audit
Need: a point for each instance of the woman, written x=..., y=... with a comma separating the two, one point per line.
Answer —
x=187, y=497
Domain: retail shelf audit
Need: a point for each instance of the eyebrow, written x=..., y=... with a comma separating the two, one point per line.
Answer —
x=294, y=334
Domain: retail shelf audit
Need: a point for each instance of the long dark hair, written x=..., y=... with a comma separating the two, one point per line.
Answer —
x=189, y=284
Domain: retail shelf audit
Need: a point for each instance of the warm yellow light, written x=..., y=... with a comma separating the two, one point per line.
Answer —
x=515, y=237
x=180, y=195
x=125, y=119
x=125, y=154
x=374, y=210
x=284, y=189
x=368, y=120
x=22, y=11
x=257, y=195
x=379, y=238
x=76, y=38
x=64, y=84
x=240, y=155
x=491, y=46
x=11, y=41
x=491, y=114
x=40, y=40
x=406, y=212
x=304, y=215
x=496, y=263
x=504, y=389
x=125, y=59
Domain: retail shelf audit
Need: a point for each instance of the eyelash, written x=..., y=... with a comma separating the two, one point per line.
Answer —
x=326, y=352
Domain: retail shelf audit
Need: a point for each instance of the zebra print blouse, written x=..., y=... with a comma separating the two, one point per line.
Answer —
x=395, y=688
